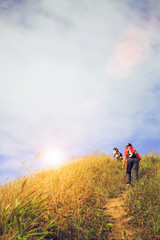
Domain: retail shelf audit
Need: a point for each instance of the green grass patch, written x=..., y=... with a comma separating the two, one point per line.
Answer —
x=143, y=201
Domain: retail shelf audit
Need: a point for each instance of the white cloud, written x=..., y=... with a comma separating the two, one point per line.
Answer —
x=75, y=75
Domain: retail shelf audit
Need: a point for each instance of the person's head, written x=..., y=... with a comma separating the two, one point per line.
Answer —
x=115, y=149
x=129, y=145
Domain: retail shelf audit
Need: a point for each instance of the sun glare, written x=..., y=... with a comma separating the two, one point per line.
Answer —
x=54, y=158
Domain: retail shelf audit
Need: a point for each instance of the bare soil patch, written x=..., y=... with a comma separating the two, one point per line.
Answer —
x=121, y=227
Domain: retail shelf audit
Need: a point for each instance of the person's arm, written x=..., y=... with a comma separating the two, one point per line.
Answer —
x=113, y=156
x=139, y=157
x=125, y=158
x=124, y=162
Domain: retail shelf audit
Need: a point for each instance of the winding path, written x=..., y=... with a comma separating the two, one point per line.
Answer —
x=119, y=219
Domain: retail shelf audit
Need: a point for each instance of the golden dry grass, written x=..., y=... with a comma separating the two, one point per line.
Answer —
x=66, y=203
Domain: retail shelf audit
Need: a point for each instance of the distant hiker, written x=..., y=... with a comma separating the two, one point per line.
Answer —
x=117, y=155
x=132, y=158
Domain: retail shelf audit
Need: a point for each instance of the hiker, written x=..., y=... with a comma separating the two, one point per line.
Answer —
x=132, y=158
x=117, y=155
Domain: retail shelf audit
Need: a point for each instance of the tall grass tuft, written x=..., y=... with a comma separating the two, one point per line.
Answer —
x=61, y=204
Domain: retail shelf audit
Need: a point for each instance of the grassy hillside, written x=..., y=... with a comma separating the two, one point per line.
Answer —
x=68, y=203
x=143, y=200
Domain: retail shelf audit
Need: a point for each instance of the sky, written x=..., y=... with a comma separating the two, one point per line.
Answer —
x=77, y=76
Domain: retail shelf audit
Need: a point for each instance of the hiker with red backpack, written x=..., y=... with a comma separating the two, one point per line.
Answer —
x=132, y=158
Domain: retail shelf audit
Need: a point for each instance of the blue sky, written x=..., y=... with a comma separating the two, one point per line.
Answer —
x=77, y=76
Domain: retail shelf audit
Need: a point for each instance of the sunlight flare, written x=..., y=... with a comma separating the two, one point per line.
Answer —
x=54, y=158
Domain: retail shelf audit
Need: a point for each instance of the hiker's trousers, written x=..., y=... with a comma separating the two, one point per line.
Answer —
x=132, y=165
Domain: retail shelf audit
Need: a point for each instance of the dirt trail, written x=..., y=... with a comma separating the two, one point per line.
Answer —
x=119, y=218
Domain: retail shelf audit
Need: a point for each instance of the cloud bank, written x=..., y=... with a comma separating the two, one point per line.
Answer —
x=77, y=76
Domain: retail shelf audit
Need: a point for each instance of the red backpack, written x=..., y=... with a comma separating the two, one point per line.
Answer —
x=132, y=152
